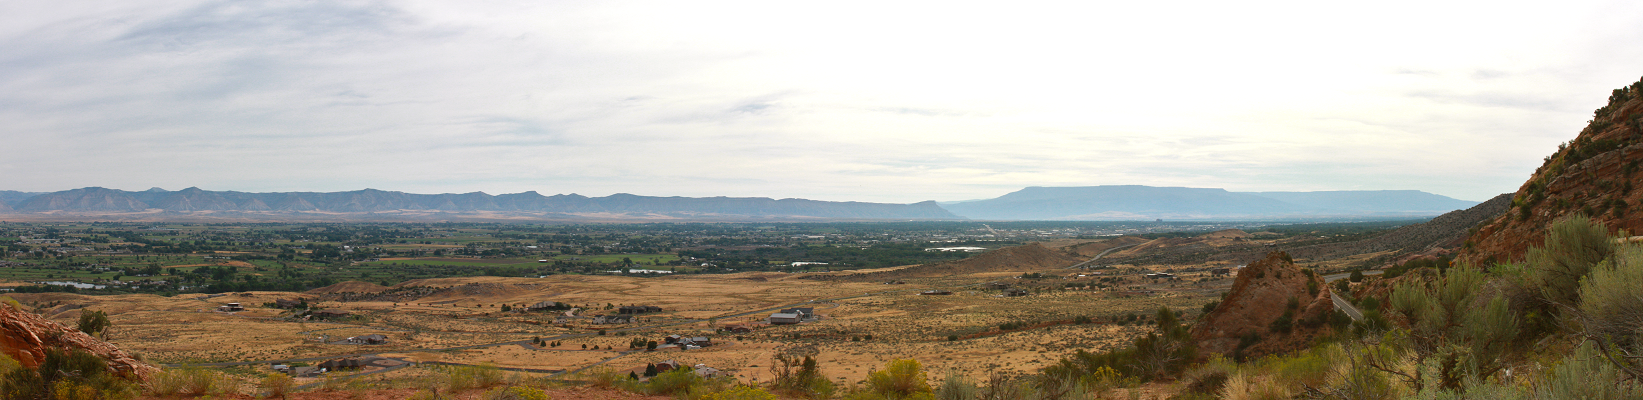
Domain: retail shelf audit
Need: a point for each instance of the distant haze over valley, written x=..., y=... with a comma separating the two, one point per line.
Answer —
x=1118, y=202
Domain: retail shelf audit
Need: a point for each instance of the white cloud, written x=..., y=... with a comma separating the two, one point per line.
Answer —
x=840, y=101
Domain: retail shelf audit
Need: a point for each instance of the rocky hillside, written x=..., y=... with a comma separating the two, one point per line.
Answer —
x=25, y=337
x=1440, y=235
x=198, y=201
x=1256, y=316
x=1591, y=175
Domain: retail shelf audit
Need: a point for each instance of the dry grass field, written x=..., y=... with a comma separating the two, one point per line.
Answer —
x=863, y=324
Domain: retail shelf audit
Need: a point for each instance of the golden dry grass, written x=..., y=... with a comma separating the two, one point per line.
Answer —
x=184, y=329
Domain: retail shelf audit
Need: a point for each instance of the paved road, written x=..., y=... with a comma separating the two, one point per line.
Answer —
x=1340, y=302
x=1103, y=254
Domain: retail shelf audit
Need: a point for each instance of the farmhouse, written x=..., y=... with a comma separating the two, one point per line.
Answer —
x=230, y=307
x=935, y=293
x=368, y=339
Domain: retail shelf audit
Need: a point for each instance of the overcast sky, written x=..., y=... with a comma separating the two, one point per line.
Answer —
x=864, y=101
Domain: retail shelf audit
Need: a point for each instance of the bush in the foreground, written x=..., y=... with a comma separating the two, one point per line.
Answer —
x=514, y=393
x=900, y=379
x=190, y=381
x=740, y=392
x=473, y=376
x=276, y=385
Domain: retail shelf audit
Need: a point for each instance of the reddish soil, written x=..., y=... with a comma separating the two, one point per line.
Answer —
x=25, y=336
x=569, y=393
x=1259, y=296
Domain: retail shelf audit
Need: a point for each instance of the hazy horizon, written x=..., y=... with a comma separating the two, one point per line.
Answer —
x=855, y=101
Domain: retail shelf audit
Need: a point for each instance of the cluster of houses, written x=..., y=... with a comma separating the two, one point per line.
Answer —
x=349, y=363
x=793, y=316
x=1007, y=289
x=701, y=370
x=688, y=343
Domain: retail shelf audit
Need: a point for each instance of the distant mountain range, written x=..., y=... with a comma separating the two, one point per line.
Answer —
x=388, y=205
x=1033, y=203
x=1134, y=202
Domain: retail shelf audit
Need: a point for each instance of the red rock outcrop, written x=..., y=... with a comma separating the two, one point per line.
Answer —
x=1593, y=174
x=25, y=336
x=1260, y=295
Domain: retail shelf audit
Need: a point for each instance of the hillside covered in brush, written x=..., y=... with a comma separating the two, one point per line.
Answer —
x=1591, y=175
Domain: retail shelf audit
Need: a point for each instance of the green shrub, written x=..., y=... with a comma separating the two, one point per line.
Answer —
x=1586, y=374
x=678, y=381
x=900, y=379
x=957, y=387
x=472, y=376
x=740, y=392
x=1611, y=307
x=276, y=385
x=93, y=322
x=1572, y=247
x=1309, y=368
x=514, y=393
x=190, y=381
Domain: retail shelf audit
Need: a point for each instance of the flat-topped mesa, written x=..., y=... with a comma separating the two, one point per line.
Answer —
x=1264, y=293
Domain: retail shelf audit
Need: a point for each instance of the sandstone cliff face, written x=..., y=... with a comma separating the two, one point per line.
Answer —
x=1591, y=175
x=1259, y=296
x=26, y=336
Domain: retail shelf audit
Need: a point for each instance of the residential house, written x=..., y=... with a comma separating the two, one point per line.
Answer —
x=230, y=307
x=342, y=363
x=666, y=366
x=705, y=371
x=368, y=339
x=783, y=318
